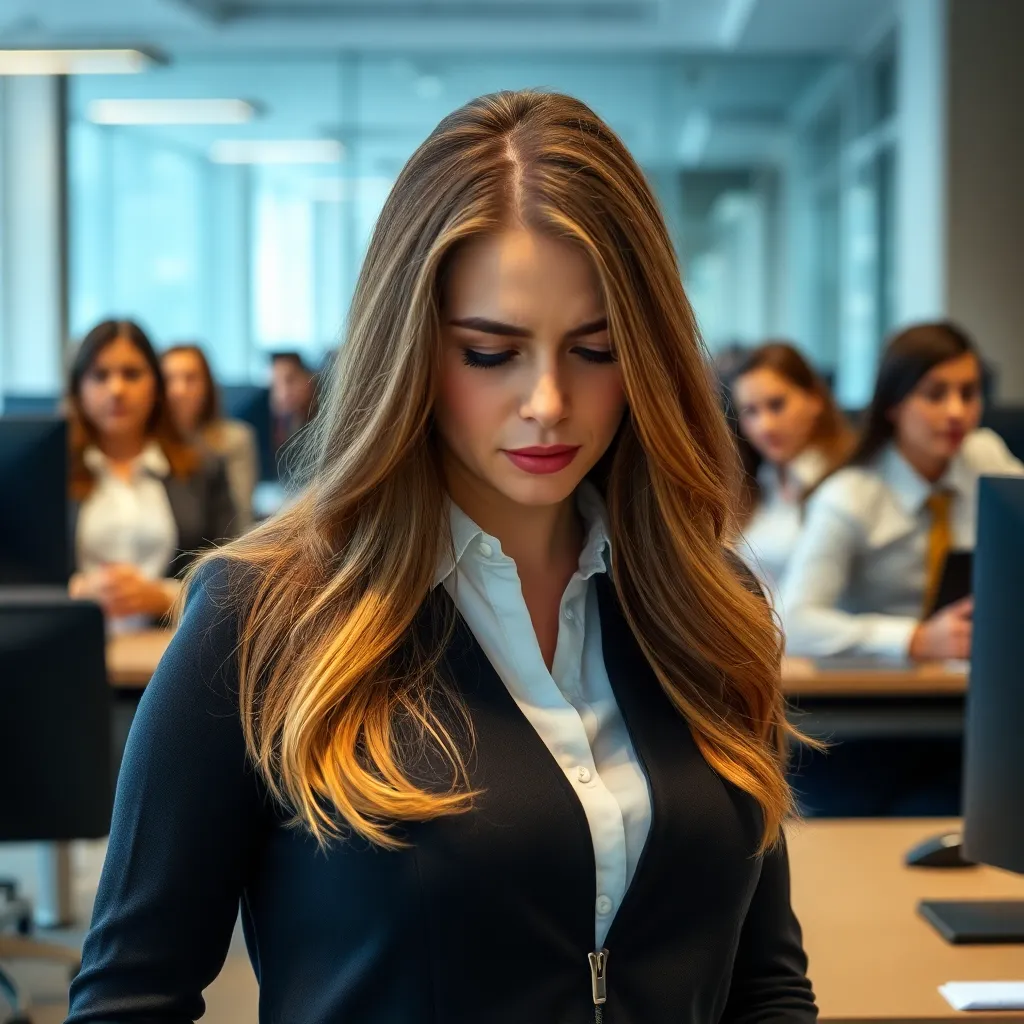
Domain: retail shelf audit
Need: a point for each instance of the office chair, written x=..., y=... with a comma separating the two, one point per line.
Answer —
x=55, y=751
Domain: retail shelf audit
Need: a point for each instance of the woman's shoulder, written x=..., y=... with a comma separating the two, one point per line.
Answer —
x=985, y=451
x=237, y=434
x=852, y=489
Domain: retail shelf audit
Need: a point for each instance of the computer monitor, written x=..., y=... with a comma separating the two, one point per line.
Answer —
x=34, y=541
x=251, y=404
x=56, y=750
x=993, y=750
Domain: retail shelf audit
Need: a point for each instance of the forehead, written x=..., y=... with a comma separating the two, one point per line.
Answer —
x=761, y=383
x=962, y=369
x=519, y=275
x=181, y=362
x=119, y=351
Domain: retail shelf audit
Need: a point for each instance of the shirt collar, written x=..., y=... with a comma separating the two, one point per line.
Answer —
x=807, y=469
x=151, y=460
x=595, y=556
x=910, y=488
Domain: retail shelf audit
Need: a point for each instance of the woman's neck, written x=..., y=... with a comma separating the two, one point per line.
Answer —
x=538, y=538
x=931, y=469
x=122, y=448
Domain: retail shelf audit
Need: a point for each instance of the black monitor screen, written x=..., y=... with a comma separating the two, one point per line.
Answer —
x=994, y=752
x=33, y=501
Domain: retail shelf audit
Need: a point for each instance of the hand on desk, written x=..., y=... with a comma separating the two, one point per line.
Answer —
x=122, y=590
x=947, y=634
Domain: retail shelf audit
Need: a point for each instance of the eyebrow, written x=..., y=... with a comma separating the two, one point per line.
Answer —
x=485, y=326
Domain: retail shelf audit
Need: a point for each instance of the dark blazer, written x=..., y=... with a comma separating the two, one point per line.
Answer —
x=486, y=918
x=202, y=508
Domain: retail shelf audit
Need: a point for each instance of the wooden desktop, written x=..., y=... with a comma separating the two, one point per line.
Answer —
x=132, y=658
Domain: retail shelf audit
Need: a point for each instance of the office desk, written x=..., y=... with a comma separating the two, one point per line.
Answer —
x=872, y=958
x=132, y=657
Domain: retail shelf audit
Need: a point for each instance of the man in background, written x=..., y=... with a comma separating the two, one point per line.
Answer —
x=292, y=396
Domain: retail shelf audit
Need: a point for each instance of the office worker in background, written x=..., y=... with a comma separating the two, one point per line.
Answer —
x=865, y=571
x=292, y=396
x=143, y=498
x=195, y=405
x=435, y=709
x=791, y=434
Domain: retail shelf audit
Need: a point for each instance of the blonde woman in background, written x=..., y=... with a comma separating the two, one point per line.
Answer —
x=195, y=405
x=486, y=726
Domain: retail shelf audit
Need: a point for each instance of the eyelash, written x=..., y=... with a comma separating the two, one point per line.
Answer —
x=484, y=361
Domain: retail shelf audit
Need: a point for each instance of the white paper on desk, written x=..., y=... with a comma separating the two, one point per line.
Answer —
x=984, y=995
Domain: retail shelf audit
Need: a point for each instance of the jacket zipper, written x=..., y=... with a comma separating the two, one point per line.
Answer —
x=599, y=982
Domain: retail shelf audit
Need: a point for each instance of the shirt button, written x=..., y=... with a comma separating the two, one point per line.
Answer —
x=604, y=905
x=569, y=614
x=485, y=549
x=583, y=774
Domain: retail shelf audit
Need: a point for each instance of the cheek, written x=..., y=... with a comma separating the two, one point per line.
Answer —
x=469, y=404
x=91, y=396
x=605, y=398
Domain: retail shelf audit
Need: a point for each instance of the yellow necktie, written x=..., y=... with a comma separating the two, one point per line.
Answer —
x=939, y=543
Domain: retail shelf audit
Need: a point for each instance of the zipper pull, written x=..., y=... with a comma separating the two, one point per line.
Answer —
x=599, y=976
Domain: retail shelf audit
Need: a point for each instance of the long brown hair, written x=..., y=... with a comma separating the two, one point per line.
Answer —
x=831, y=435
x=210, y=413
x=182, y=457
x=333, y=583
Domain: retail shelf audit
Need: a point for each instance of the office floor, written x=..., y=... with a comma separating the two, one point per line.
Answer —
x=232, y=999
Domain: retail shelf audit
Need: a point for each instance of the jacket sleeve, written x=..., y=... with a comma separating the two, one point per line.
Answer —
x=187, y=819
x=769, y=981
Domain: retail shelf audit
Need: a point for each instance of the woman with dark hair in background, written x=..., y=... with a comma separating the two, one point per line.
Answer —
x=791, y=435
x=194, y=402
x=144, y=499
x=865, y=573
x=435, y=709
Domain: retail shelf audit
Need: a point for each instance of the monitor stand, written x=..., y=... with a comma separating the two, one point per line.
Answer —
x=964, y=922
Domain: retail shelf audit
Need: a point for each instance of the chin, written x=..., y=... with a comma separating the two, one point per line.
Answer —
x=538, y=491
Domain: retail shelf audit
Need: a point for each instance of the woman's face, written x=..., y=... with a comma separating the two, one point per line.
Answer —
x=776, y=417
x=186, y=388
x=118, y=391
x=530, y=395
x=945, y=406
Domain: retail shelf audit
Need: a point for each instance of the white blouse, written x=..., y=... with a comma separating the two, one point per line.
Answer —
x=856, y=580
x=127, y=521
x=572, y=707
x=771, y=533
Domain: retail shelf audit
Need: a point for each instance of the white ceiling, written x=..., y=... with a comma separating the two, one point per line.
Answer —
x=381, y=73
x=786, y=26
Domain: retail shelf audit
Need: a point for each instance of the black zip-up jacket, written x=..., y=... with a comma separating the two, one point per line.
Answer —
x=487, y=918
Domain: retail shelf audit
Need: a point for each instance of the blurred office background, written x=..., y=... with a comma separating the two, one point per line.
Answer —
x=829, y=168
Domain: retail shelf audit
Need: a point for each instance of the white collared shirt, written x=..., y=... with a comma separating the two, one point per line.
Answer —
x=572, y=707
x=771, y=533
x=856, y=579
x=127, y=521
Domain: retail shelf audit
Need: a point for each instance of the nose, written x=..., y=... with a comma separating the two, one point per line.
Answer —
x=116, y=385
x=956, y=407
x=546, y=401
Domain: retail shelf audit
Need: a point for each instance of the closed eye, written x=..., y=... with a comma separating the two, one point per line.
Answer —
x=490, y=360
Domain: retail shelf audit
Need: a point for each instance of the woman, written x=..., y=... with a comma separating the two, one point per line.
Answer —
x=143, y=499
x=864, y=575
x=435, y=710
x=195, y=406
x=793, y=434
